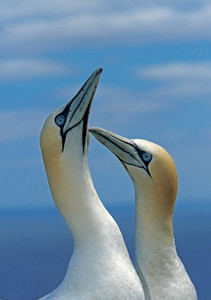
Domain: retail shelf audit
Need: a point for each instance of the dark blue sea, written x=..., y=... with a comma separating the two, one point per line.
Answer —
x=36, y=247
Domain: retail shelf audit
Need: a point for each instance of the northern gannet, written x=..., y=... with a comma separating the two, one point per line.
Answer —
x=100, y=267
x=154, y=177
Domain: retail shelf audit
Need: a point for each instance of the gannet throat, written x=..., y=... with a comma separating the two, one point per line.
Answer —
x=100, y=267
x=154, y=177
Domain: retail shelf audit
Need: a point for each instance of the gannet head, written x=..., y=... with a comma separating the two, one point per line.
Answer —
x=68, y=121
x=64, y=137
x=150, y=167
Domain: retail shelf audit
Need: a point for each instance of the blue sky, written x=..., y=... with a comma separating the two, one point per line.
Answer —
x=156, y=85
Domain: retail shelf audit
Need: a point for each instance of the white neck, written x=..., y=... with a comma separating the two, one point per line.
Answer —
x=92, y=228
x=156, y=257
x=100, y=264
x=153, y=248
x=76, y=198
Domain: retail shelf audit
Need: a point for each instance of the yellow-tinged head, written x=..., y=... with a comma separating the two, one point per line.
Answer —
x=67, y=119
x=151, y=169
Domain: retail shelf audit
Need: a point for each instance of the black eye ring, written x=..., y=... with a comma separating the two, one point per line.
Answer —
x=60, y=120
x=147, y=156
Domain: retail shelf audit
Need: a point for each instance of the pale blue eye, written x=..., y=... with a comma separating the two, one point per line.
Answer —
x=60, y=120
x=147, y=156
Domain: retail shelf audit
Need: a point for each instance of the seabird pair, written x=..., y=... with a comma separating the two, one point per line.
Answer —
x=100, y=266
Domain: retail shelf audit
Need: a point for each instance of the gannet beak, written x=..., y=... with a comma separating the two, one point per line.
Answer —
x=125, y=149
x=81, y=103
x=78, y=109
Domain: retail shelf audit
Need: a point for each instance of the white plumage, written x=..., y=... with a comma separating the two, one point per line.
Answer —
x=154, y=177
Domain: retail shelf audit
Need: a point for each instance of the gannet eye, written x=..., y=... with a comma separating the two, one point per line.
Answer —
x=147, y=156
x=60, y=120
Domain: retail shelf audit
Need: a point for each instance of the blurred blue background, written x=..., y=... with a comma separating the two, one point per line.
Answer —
x=156, y=57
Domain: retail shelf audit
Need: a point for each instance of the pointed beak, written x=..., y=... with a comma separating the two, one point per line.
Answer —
x=80, y=105
x=125, y=149
x=78, y=109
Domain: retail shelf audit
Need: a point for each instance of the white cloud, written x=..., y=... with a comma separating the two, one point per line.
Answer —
x=183, y=90
x=47, y=25
x=19, y=69
x=21, y=124
x=179, y=79
x=17, y=9
x=199, y=71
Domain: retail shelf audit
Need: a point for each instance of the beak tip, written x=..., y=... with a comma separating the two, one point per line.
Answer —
x=98, y=72
x=93, y=130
